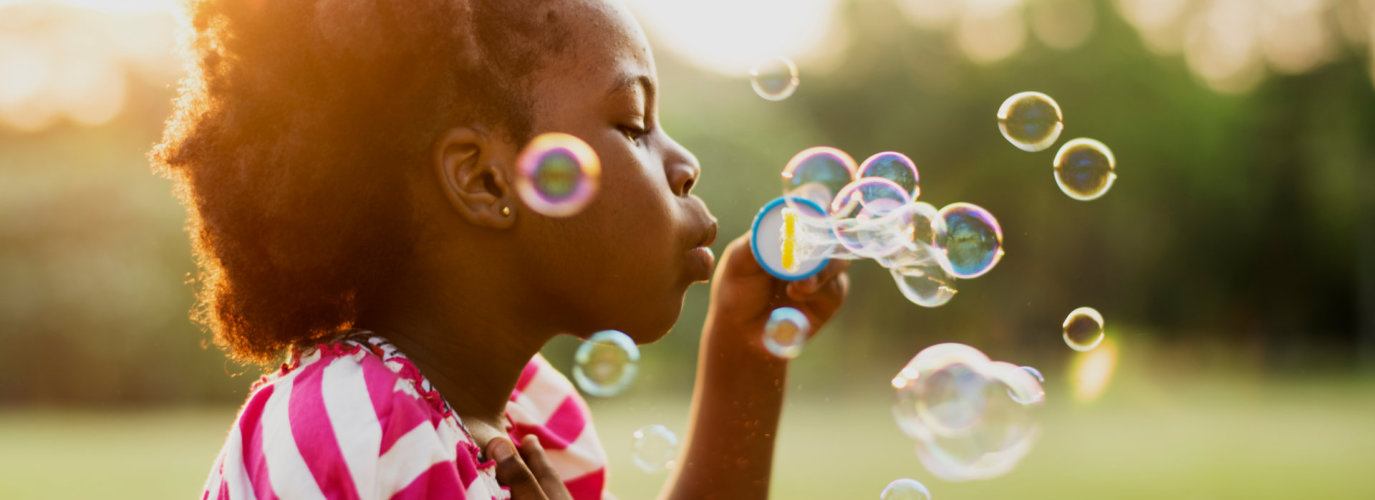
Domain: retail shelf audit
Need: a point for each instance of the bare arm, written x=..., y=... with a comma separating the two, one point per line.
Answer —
x=738, y=396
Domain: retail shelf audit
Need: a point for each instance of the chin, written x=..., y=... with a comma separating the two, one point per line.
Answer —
x=651, y=328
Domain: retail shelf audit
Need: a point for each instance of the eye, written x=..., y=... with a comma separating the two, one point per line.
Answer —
x=632, y=133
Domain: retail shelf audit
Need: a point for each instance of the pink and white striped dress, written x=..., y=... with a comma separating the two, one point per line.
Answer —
x=354, y=419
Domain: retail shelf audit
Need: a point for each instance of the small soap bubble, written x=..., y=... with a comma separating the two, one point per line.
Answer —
x=1030, y=120
x=774, y=79
x=786, y=332
x=895, y=167
x=974, y=240
x=557, y=174
x=905, y=489
x=817, y=174
x=1083, y=329
x=1035, y=373
x=1085, y=169
x=654, y=449
x=606, y=363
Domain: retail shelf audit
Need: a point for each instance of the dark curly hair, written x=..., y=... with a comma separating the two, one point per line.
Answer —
x=291, y=139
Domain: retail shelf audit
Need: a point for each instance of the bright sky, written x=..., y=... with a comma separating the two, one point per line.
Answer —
x=106, y=5
x=727, y=36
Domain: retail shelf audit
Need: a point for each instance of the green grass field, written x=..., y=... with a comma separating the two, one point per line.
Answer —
x=1295, y=439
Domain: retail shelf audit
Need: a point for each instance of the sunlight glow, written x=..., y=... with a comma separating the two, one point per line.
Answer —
x=730, y=36
x=105, y=5
x=1091, y=372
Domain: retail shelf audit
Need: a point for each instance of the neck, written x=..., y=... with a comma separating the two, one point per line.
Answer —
x=472, y=345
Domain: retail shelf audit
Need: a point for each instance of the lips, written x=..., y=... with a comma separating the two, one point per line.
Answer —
x=700, y=259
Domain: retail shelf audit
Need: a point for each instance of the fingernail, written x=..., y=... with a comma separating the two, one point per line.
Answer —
x=502, y=450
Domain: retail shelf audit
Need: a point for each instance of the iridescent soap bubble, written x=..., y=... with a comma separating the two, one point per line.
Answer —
x=817, y=174
x=557, y=174
x=786, y=332
x=974, y=240
x=1083, y=329
x=1085, y=169
x=1030, y=120
x=972, y=417
x=871, y=218
x=1035, y=373
x=775, y=79
x=921, y=276
x=905, y=489
x=895, y=167
x=868, y=198
x=606, y=363
x=654, y=448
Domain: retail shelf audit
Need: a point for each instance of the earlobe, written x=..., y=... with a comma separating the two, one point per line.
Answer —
x=467, y=168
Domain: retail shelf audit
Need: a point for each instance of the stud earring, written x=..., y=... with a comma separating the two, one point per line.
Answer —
x=505, y=211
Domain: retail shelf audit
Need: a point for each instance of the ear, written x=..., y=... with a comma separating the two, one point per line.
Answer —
x=466, y=163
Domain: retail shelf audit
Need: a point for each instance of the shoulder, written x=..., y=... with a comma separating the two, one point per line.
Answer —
x=345, y=421
x=545, y=404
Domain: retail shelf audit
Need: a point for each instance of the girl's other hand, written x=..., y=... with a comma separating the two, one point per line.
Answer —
x=528, y=474
x=743, y=295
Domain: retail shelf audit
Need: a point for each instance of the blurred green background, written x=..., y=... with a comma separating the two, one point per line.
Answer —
x=1234, y=259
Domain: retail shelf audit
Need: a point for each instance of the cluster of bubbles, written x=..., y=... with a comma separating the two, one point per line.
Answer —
x=905, y=489
x=557, y=174
x=971, y=417
x=775, y=79
x=1084, y=168
x=654, y=448
x=837, y=209
x=606, y=363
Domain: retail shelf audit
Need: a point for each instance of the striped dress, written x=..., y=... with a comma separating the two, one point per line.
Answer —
x=354, y=419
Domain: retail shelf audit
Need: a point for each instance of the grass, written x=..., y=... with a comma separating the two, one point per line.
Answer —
x=1310, y=439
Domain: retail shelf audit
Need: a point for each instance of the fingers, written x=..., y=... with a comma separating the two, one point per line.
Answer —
x=539, y=465
x=801, y=290
x=738, y=258
x=512, y=472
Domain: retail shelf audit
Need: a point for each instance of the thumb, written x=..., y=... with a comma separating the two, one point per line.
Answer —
x=512, y=472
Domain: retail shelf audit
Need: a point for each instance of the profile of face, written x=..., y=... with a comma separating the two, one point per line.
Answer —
x=626, y=260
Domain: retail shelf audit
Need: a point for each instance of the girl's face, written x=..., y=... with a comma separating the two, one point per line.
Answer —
x=625, y=261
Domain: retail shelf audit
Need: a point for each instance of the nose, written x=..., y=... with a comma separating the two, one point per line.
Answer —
x=681, y=167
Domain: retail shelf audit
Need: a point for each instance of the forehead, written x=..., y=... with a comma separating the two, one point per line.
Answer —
x=604, y=47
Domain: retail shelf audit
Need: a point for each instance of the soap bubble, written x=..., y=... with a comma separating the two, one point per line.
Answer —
x=868, y=198
x=872, y=218
x=973, y=418
x=606, y=363
x=1083, y=329
x=905, y=489
x=921, y=276
x=1035, y=373
x=557, y=174
x=817, y=174
x=774, y=79
x=654, y=449
x=974, y=240
x=927, y=223
x=895, y=167
x=1085, y=169
x=1030, y=120
x=786, y=332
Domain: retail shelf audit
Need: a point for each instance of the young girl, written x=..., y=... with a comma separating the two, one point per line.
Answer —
x=348, y=171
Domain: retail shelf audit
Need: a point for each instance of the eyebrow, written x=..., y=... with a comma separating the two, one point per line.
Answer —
x=629, y=82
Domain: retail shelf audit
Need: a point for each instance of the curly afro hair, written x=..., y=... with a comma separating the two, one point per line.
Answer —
x=291, y=139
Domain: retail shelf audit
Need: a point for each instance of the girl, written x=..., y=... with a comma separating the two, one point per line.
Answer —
x=347, y=167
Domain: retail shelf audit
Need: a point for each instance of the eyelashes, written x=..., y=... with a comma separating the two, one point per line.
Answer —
x=632, y=133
